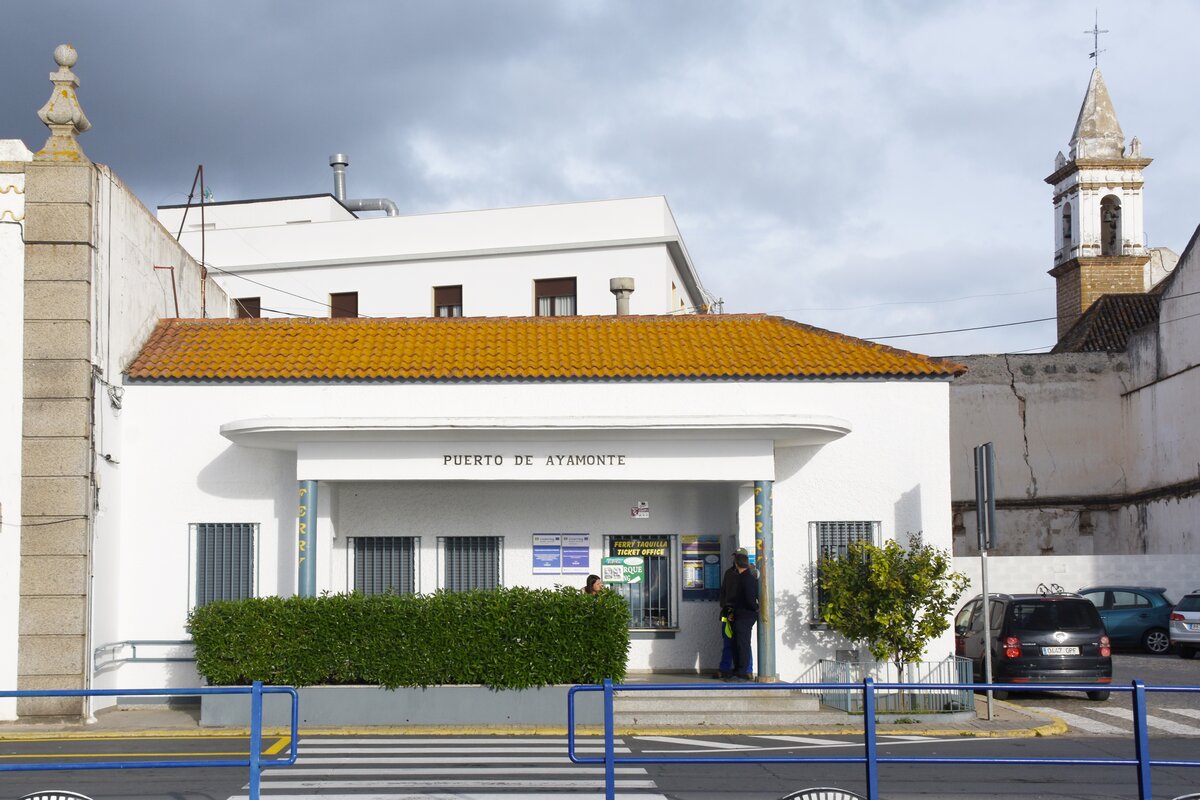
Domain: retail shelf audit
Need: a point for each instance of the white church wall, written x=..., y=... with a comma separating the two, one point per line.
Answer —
x=179, y=470
x=13, y=154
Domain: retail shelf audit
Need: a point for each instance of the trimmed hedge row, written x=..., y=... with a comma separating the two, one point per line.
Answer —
x=511, y=638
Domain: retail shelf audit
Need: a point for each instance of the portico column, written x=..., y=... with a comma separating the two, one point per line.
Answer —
x=306, y=563
x=764, y=548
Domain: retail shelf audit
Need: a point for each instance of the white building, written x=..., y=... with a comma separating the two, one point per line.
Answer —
x=518, y=440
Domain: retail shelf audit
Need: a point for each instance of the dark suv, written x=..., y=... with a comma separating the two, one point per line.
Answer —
x=1037, y=638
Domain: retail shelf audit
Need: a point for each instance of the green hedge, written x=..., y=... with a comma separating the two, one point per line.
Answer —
x=512, y=638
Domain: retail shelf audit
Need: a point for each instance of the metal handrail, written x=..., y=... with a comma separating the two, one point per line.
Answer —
x=253, y=761
x=132, y=645
x=871, y=758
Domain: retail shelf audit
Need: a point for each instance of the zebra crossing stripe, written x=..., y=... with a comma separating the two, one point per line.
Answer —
x=523, y=783
x=315, y=751
x=1082, y=723
x=569, y=769
x=445, y=796
x=1194, y=713
x=1168, y=725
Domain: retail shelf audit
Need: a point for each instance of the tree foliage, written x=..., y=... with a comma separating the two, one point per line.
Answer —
x=894, y=599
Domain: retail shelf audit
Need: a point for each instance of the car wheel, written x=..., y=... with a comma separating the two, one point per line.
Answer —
x=1156, y=641
x=1097, y=696
x=1186, y=651
x=999, y=694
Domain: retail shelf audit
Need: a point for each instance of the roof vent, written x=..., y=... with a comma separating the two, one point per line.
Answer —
x=339, y=162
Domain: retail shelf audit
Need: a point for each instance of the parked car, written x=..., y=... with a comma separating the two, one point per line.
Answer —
x=1185, y=625
x=1134, y=615
x=1037, y=638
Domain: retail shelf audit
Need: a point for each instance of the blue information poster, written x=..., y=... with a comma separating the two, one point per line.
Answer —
x=547, y=554
x=701, y=567
x=575, y=549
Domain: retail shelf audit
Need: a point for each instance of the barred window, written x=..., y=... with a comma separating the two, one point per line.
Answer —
x=385, y=563
x=833, y=540
x=652, y=601
x=470, y=562
x=225, y=557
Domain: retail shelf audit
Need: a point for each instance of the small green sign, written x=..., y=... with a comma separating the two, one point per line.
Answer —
x=622, y=569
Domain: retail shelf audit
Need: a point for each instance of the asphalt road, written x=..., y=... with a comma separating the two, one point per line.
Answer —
x=495, y=768
x=1177, y=711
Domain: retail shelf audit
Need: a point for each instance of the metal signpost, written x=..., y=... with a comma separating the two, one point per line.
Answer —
x=985, y=524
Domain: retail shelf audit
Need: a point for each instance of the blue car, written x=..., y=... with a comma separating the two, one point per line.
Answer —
x=1136, y=616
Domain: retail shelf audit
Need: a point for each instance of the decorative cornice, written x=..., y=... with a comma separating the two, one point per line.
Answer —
x=1079, y=164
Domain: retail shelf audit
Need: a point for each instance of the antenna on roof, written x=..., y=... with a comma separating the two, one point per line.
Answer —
x=1095, y=32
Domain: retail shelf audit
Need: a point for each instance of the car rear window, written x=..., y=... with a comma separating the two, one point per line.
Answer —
x=1056, y=615
x=1189, y=603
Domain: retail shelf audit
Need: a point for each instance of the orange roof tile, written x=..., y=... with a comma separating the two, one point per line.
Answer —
x=517, y=348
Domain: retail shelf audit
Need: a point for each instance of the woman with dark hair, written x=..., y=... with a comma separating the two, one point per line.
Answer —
x=594, y=585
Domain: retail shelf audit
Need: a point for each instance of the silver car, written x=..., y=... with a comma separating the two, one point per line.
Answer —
x=1185, y=625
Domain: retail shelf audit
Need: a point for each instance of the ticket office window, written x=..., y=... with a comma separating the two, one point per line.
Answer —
x=654, y=600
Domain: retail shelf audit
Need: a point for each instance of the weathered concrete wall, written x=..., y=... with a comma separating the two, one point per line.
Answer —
x=1058, y=429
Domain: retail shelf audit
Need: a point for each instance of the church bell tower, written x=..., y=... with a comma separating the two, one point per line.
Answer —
x=1099, y=236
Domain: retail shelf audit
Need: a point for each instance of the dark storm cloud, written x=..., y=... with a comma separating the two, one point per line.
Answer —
x=815, y=155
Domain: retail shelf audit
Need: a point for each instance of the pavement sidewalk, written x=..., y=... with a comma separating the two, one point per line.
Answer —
x=1008, y=720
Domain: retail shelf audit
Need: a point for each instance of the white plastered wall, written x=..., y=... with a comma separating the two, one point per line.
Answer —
x=180, y=470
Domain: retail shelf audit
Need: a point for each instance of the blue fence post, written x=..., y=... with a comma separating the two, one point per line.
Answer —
x=256, y=709
x=1141, y=740
x=869, y=738
x=610, y=781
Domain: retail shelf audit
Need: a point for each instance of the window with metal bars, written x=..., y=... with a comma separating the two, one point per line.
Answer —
x=385, y=563
x=651, y=601
x=832, y=540
x=470, y=562
x=225, y=565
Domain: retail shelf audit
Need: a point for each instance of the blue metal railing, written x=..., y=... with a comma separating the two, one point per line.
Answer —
x=253, y=761
x=871, y=758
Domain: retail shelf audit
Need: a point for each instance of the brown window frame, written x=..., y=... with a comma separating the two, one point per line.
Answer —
x=248, y=307
x=343, y=304
x=555, y=290
x=449, y=298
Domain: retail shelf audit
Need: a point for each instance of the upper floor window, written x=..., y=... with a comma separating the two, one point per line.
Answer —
x=343, y=304
x=447, y=301
x=249, y=307
x=555, y=297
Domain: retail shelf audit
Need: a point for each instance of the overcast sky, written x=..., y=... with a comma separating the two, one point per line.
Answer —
x=875, y=168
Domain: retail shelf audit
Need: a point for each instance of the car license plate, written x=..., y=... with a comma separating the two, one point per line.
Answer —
x=1192, y=626
x=1060, y=651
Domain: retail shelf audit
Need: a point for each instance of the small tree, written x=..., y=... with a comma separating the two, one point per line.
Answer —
x=896, y=600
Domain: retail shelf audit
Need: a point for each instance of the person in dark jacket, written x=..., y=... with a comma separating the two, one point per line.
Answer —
x=745, y=614
x=725, y=603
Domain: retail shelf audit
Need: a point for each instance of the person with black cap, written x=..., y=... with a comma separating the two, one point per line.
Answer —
x=725, y=602
x=745, y=614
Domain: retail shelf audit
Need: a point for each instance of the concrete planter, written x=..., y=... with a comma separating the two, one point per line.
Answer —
x=355, y=706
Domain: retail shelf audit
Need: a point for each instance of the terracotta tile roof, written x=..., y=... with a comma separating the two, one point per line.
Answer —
x=1107, y=324
x=516, y=348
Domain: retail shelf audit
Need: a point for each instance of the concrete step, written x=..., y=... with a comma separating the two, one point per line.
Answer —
x=716, y=708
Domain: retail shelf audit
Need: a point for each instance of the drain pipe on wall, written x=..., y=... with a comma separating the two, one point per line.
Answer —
x=339, y=162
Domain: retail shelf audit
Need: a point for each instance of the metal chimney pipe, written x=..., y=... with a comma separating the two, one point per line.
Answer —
x=622, y=288
x=339, y=162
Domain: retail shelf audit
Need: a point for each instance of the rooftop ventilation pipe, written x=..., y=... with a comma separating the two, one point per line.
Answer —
x=339, y=162
x=622, y=288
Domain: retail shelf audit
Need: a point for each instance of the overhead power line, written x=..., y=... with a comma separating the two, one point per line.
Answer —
x=959, y=330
